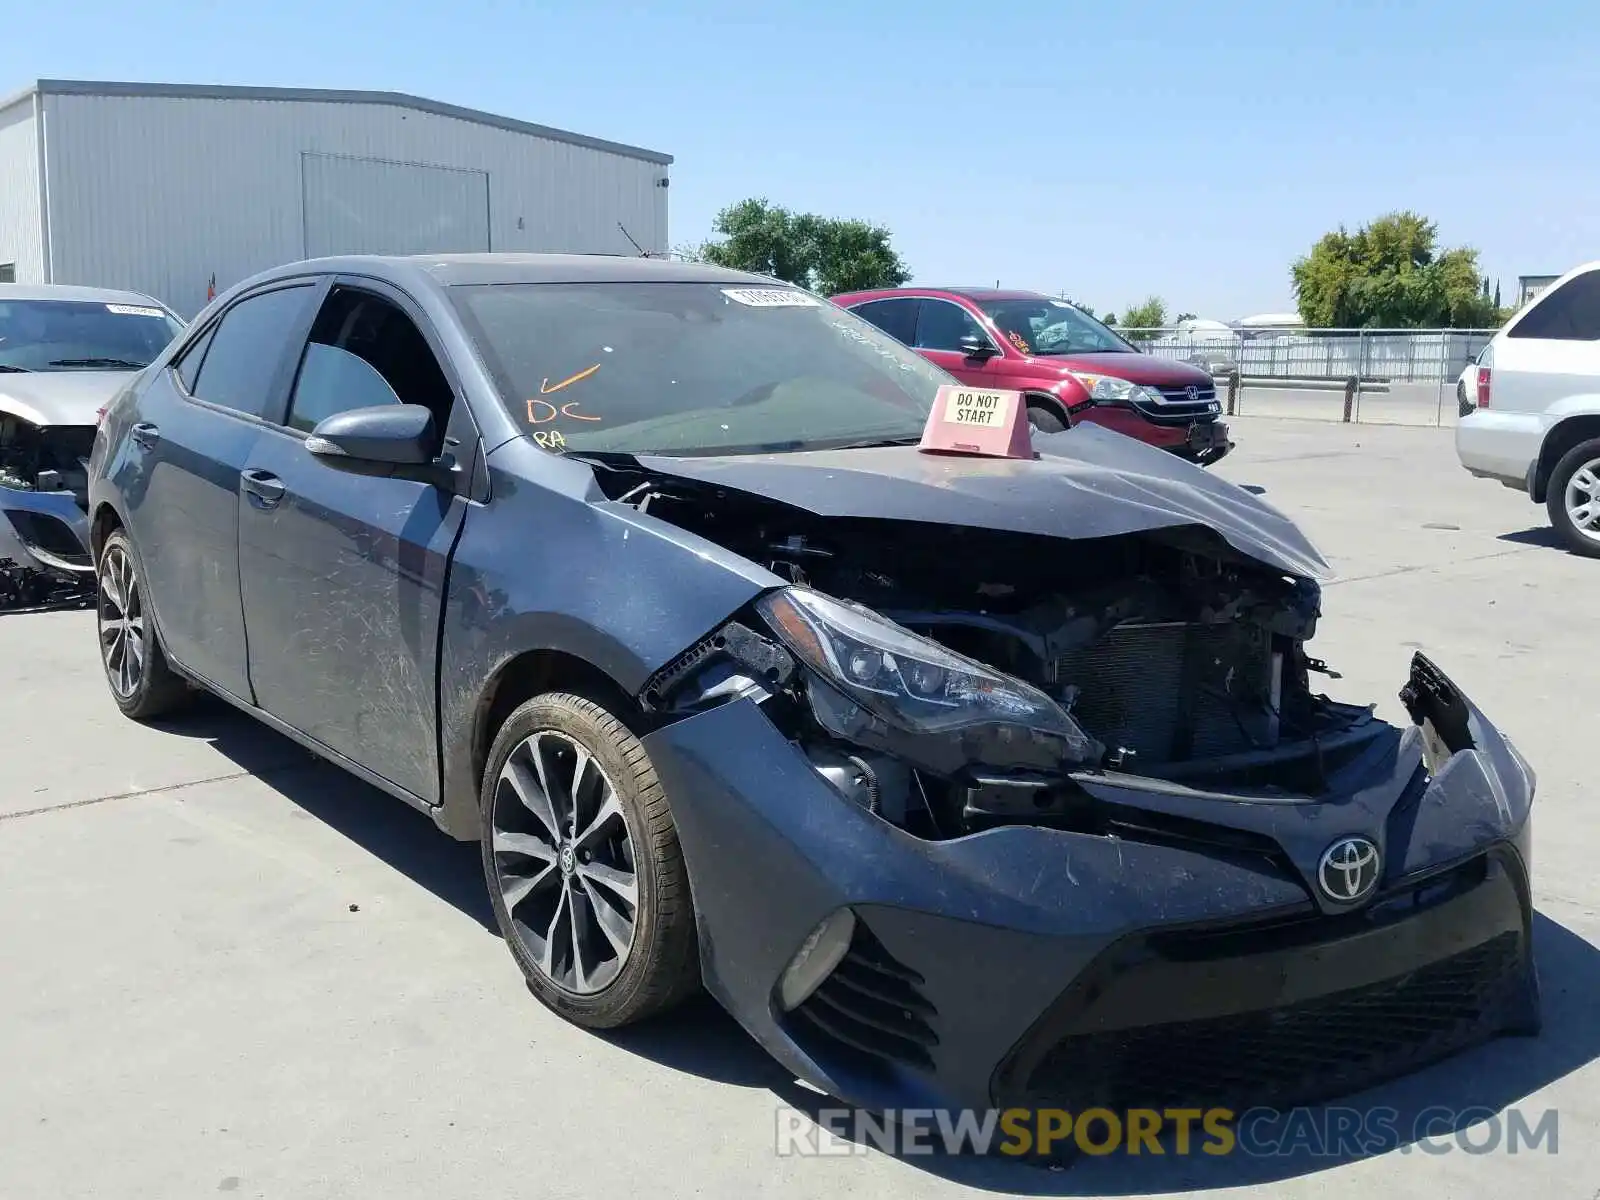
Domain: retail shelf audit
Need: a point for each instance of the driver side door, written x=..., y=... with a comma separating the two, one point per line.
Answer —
x=941, y=324
x=342, y=575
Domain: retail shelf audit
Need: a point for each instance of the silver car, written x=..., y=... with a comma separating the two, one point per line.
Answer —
x=64, y=353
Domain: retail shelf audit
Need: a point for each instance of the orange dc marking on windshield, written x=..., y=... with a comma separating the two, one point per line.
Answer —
x=545, y=389
x=542, y=412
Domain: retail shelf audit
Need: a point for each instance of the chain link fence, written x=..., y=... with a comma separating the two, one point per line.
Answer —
x=1373, y=376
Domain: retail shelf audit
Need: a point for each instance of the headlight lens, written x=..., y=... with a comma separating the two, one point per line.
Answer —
x=908, y=681
x=1107, y=387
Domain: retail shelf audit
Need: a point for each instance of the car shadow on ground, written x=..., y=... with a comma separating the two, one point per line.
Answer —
x=701, y=1039
x=391, y=830
x=1539, y=535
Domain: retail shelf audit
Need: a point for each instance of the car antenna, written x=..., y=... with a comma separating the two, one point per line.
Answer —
x=643, y=253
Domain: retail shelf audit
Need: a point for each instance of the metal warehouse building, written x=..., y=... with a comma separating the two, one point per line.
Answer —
x=161, y=188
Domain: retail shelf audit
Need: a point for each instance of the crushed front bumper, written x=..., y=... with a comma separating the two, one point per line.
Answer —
x=1034, y=966
x=1206, y=443
x=44, y=549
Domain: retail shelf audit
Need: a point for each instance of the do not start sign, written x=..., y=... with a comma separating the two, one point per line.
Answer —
x=966, y=420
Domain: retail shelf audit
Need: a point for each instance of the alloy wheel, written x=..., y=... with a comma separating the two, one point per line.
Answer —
x=120, y=612
x=564, y=862
x=1583, y=500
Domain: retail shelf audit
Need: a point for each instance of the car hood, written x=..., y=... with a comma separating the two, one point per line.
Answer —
x=1086, y=482
x=1135, y=368
x=60, y=397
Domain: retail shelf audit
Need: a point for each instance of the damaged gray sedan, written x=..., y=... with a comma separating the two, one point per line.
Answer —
x=958, y=781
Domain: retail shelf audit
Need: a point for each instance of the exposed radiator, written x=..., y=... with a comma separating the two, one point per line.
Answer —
x=1174, y=692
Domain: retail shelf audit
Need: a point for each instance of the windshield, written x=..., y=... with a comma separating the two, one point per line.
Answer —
x=1044, y=326
x=82, y=335
x=694, y=368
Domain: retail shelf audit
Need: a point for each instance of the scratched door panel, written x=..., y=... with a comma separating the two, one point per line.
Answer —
x=342, y=582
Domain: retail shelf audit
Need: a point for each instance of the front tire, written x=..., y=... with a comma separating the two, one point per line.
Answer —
x=1044, y=419
x=141, y=682
x=1573, y=498
x=583, y=865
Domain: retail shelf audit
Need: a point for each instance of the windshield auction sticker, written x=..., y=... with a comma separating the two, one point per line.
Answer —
x=979, y=421
x=134, y=310
x=770, y=297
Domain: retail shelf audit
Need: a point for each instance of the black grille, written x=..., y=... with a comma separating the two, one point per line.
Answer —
x=870, y=1009
x=1172, y=692
x=1179, y=408
x=1300, y=1054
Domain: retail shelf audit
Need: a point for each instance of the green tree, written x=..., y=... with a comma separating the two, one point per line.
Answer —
x=1152, y=314
x=1389, y=275
x=1182, y=317
x=826, y=254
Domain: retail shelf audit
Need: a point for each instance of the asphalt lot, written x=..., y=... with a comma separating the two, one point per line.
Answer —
x=230, y=970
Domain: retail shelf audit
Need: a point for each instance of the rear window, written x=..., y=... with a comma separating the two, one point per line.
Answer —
x=1569, y=313
x=693, y=368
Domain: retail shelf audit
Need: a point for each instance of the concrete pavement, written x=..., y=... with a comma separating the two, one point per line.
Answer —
x=231, y=970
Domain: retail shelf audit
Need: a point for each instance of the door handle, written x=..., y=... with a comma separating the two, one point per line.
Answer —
x=146, y=434
x=265, y=488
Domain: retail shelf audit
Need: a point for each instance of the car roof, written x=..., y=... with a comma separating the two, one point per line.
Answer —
x=65, y=291
x=451, y=270
x=969, y=293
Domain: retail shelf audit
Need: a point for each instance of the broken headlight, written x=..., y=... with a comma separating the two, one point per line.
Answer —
x=909, y=682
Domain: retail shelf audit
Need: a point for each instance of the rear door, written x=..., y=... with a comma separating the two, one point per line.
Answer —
x=192, y=435
x=1552, y=351
x=896, y=316
x=343, y=575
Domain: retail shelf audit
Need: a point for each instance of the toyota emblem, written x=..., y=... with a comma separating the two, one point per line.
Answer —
x=1192, y=392
x=1349, y=870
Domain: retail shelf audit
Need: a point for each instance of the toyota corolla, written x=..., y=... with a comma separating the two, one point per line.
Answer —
x=956, y=780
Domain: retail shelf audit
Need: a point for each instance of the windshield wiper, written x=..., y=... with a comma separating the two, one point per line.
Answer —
x=874, y=443
x=8, y=369
x=110, y=363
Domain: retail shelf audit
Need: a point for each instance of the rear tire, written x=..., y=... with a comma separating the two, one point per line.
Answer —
x=1573, y=498
x=584, y=869
x=141, y=682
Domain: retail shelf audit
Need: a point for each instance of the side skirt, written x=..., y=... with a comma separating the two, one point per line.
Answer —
x=307, y=742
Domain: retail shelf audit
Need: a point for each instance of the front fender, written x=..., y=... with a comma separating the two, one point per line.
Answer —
x=549, y=566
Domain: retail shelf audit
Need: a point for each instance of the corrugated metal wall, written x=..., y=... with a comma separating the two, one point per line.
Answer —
x=157, y=193
x=21, y=234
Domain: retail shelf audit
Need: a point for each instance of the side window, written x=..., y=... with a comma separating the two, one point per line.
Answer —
x=364, y=352
x=942, y=325
x=242, y=362
x=1571, y=313
x=897, y=318
x=188, y=365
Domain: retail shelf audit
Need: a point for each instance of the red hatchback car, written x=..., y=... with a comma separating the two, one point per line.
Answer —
x=1070, y=366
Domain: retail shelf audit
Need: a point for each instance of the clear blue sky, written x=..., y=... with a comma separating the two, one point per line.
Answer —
x=1111, y=149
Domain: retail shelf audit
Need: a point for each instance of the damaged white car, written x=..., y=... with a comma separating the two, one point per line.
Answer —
x=64, y=353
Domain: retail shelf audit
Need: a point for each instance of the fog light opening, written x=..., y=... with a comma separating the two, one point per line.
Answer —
x=824, y=948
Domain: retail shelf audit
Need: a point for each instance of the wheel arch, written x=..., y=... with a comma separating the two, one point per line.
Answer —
x=1562, y=437
x=105, y=521
x=521, y=677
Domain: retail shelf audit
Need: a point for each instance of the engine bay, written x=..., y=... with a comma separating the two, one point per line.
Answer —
x=1184, y=659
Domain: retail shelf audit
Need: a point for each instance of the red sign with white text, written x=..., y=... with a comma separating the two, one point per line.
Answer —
x=966, y=420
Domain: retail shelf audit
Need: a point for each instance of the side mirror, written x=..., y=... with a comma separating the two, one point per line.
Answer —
x=974, y=346
x=376, y=441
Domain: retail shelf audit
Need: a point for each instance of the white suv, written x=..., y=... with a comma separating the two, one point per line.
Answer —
x=1536, y=426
